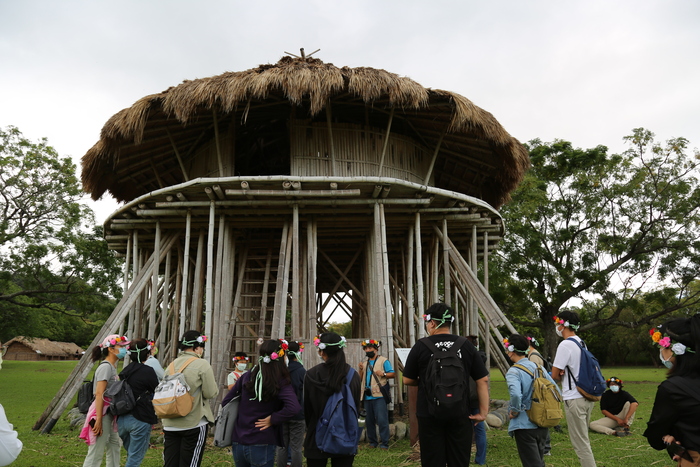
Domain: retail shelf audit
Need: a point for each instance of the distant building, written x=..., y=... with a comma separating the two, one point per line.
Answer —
x=35, y=349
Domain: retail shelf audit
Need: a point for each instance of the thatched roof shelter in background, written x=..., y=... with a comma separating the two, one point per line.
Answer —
x=31, y=348
x=136, y=153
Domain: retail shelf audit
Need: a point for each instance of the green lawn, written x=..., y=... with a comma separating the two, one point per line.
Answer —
x=26, y=388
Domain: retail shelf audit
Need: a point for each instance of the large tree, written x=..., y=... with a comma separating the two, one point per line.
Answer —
x=54, y=265
x=608, y=233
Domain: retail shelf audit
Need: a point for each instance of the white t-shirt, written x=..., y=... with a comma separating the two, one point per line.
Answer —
x=10, y=445
x=568, y=354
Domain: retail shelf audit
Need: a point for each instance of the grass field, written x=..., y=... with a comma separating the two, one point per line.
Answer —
x=26, y=388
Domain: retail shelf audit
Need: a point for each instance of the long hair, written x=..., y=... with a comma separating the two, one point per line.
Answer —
x=139, y=350
x=273, y=373
x=99, y=353
x=687, y=332
x=337, y=367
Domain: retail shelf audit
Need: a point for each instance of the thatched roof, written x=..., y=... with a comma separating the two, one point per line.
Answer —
x=477, y=156
x=47, y=347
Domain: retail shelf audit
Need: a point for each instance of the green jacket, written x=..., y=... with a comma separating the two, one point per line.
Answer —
x=203, y=387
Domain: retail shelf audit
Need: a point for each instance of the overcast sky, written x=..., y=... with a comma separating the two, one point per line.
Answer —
x=587, y=72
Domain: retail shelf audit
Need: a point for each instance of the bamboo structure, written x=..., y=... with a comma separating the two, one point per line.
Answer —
x=271, y=202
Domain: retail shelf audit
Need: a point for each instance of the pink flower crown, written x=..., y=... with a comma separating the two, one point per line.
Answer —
x=322, y=345
x=665, y=342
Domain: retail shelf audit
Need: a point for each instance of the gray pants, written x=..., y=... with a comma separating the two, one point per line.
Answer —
x=578, y=417
x=293, y=439
x=530, y=445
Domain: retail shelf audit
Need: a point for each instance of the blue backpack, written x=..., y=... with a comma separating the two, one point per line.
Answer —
x=590, y=383
x=338, y=431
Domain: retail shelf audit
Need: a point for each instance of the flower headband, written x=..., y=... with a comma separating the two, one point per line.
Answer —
x=373, y=342
x=445, y=317
x=612, y=380
x=111, y=341
x=509, y=347
x=664, y=342
x=533, y=340
x=241, y=358
x=566, y=324
x=201, y=339
x=284, y=345
x=323, y=345
x=137, y=350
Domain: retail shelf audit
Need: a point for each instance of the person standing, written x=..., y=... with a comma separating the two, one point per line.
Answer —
x=100, y=430
x=267, y=401
x=375, y=372
x=529, y=438
x=674, y=417
x=185, y=437
x=153, y=362
x=135, y=427
x=293, y=429
x=480, y=427
x=322, y=381
x=445, y=441
x=241, y=361
x=565, y=369
x=619, y=407
x=534, y=356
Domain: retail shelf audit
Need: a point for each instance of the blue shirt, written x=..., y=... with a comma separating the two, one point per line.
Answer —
x=520, y=390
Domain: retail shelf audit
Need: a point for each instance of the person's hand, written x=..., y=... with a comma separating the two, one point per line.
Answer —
x=97, y=427
x=512, y=415
x=264, y=423
x=478, y=417
x=668, y=439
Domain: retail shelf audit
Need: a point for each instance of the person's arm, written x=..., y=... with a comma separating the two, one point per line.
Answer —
x=557, y=373
x=482, y=391
x=630, y=412
x=613, y=417
x=100, y=388
x=663, y=417
x=290, y=407
x=515, y=393
x=388, y=370
x=209, y=387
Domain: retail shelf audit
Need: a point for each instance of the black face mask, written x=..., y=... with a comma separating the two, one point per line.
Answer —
x=370, y=354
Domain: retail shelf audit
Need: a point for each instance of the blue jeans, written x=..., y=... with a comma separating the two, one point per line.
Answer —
x=255, y=455
x=135, y=435
x=377, y=415
x=480, y=440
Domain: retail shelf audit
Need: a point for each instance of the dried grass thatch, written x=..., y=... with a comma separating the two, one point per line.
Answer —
x=478, y=157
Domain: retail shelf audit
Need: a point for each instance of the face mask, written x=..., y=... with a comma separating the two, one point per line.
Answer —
x=667, y=363
x=559, y=333
x=615, y=388
x=122, y=353
x=370, y=354
x=241, y=366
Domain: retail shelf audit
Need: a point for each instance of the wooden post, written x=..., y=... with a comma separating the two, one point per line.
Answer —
x=154, y=287
x=386, y=142
x=280, y=307
x=389, y=337
x=419, y=275
x=209, y=297
x=296, y=318
x=196, y=305
x=165, y=305
x=185, y=274
x=409, y=288
x=330, y=136
x=446, y=264
x=312, y=254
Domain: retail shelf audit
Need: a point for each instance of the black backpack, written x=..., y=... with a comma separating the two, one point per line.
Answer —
x=547, y=364
x=446, y=383
x=85, y=394
x=122, y=397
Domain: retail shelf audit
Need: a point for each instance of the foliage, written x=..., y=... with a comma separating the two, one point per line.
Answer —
x=617, y=233
x=52, y=257
x=342, y=329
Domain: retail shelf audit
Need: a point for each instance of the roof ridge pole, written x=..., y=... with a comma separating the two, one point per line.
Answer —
x=386, y=142
x=435, y=154
x=330, y=137
x=216, y=140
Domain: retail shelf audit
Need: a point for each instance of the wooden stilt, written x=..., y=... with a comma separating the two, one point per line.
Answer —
x=419, y=275
x=185, y=275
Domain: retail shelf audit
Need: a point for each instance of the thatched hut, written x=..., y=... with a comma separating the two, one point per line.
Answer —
x=37, y=349
x=267, y=202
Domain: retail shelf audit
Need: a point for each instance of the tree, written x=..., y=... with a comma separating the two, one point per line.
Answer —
x=52, y=257
x=607, y=232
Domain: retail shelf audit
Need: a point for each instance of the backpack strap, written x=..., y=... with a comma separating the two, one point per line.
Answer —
x=371, y=368
x=520, y=367
x=171, y=367
x=581, y=345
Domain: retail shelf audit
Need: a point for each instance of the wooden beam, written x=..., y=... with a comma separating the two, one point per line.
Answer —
x=386, y=142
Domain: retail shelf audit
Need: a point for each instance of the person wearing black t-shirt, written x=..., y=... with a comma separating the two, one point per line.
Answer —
x=619, y=407
x=135, y=426
x=445, y=441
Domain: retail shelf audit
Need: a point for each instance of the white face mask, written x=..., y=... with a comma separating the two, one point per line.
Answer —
x=614, y=388
x=559, y=333
x=241, y=366
x=667, y=363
